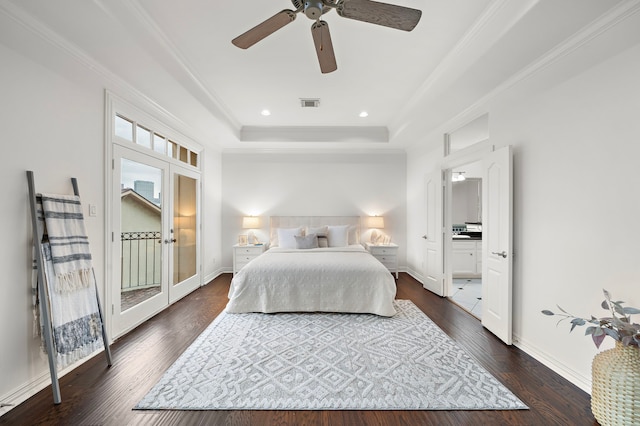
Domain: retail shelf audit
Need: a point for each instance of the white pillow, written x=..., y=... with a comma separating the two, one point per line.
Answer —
x=320, y=230
x=353, y=235
x=338, y=236
x=287, y=237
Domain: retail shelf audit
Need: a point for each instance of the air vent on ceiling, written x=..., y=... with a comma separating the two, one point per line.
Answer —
x=310, y=103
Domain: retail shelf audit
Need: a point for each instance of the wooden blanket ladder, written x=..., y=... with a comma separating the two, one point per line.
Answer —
x=43, y=293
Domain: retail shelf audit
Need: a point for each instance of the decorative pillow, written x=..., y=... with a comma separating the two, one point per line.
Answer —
x=307, y=242
x=323, y=241
x=320, y=230
x=286, y=237
x=353, y=235
x=338, y=236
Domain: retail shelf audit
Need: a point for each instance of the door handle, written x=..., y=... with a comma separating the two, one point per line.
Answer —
x=425, y=237
x=503, y=254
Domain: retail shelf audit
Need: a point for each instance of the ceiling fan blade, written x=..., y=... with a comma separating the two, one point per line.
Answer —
x=324, y=47
x=388, y=15
x=264, y=29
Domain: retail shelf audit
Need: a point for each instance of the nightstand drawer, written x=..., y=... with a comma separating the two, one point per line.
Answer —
x=245, y=254
x=240, y=263
x=387, y=255
x=243, y=259
x=381, y=250
x=388, y=261
x=249, y=251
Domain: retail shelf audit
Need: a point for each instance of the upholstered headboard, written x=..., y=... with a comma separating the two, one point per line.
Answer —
x=310, y=221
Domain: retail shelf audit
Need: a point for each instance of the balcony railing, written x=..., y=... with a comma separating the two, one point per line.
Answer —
x=141, y=262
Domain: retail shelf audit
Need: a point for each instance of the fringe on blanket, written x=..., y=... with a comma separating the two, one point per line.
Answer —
x=72, y=281
x=77, y=339
x=75, y=317
x=65, y=360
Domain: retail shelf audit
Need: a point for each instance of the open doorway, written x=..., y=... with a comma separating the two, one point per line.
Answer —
x=464, y=277
x=496, y=238
x=463, y=218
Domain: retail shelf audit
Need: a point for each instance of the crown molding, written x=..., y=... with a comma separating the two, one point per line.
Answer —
x=46, y=34
x=606, y=21
x=331, y=150
x=498, y=10
x=326, y=134
x=138, y=12
x=611, y=18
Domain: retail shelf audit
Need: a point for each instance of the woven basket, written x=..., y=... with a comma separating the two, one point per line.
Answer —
x=615, y=387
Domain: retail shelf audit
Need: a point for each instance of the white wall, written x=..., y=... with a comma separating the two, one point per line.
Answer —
x=313, y=184
x=576, y=149
x=53, y=124
x=212, y=214
x=576, y=155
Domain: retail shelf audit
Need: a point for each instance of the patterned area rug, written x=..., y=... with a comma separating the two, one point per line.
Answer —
x=321, y=361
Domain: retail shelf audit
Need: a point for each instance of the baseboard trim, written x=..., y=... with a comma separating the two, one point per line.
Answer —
x=212, y=276
x=416, y=275
x=42, y=381
x=22, y=393
x=549, y=361
x=581, y=381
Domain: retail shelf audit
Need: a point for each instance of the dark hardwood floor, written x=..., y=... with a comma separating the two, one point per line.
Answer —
x=96, y=395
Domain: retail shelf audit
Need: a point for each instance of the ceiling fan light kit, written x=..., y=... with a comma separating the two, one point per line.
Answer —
x=313, y=9
x=385, y=14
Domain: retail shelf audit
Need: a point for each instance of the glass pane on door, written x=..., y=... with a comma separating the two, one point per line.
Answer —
x=141, y=233
x=184, y=228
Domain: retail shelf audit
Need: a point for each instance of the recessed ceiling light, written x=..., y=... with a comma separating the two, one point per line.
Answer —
x=364, y=114
x=266, y=112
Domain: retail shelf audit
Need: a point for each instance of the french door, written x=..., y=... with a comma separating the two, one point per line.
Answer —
x=155, y=236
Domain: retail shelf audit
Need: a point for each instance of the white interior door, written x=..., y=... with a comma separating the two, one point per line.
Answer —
x=497, y=246
x=433, y=268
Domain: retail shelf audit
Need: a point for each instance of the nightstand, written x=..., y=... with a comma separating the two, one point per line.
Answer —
x=245, y=254
x=387, y=254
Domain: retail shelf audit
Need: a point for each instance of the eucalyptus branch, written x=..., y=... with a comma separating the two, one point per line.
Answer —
x=618, y=326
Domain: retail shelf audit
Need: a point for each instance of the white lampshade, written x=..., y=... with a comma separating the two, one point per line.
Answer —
x=376, y=222
x=251, y=222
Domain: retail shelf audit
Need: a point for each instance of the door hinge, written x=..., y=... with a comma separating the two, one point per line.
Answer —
x=113, y=309
x=112, y=237
x=113, y=164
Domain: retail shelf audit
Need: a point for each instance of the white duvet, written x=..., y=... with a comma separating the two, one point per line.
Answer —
x=344, y=279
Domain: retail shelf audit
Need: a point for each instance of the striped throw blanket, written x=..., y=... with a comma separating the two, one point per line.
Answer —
x=69, y=242
x=70, y=281
x=77, y=327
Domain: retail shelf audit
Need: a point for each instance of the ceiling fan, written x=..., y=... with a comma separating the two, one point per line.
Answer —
x=388, y=15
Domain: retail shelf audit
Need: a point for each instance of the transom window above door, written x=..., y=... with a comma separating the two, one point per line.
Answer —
x=140, y=135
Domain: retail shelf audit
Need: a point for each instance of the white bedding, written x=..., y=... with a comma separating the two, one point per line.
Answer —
x=335, y=279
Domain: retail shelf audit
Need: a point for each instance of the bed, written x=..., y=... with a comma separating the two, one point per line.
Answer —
x=305, y=274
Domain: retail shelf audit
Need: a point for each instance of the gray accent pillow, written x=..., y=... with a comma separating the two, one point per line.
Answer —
x=307, y=242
